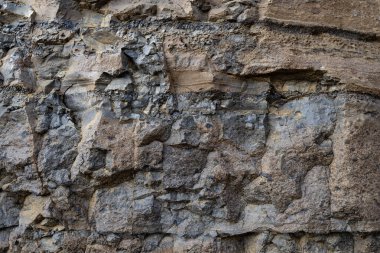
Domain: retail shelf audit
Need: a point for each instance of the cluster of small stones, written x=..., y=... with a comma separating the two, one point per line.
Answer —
x=202, y=126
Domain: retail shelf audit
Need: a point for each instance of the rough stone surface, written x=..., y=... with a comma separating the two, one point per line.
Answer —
x=192, y=126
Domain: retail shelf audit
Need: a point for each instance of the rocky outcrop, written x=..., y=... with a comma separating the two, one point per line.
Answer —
x=189, y=126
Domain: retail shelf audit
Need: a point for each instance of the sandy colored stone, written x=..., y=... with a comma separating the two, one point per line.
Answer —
x=358, y=16
x=354, y=170
x=33, y=208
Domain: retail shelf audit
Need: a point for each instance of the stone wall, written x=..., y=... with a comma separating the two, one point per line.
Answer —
x=247, y=126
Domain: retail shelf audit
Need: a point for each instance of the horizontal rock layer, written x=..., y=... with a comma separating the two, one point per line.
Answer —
x=189, y=126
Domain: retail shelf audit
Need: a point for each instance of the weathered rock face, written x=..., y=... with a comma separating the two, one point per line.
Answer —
x=190, y=126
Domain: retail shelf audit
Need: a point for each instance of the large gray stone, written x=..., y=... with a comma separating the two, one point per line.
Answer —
x=16, y=135
x=9, y=211
x=117, y=210
x=181, y=166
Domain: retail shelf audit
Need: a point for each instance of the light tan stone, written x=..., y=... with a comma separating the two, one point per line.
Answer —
x=355, y=175
x=12, y=11
x=131, y=9
x=45, y=9
x=357, y=16
x=33, y=208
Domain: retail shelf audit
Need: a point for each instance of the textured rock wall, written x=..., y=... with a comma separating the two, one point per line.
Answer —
x=190, y=126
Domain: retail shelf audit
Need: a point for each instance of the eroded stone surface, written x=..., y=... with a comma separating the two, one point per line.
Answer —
x=189, y=126
x=354, y=171
x=358, y=16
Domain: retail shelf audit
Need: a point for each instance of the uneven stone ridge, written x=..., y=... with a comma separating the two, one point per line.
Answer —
x=246, y=126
